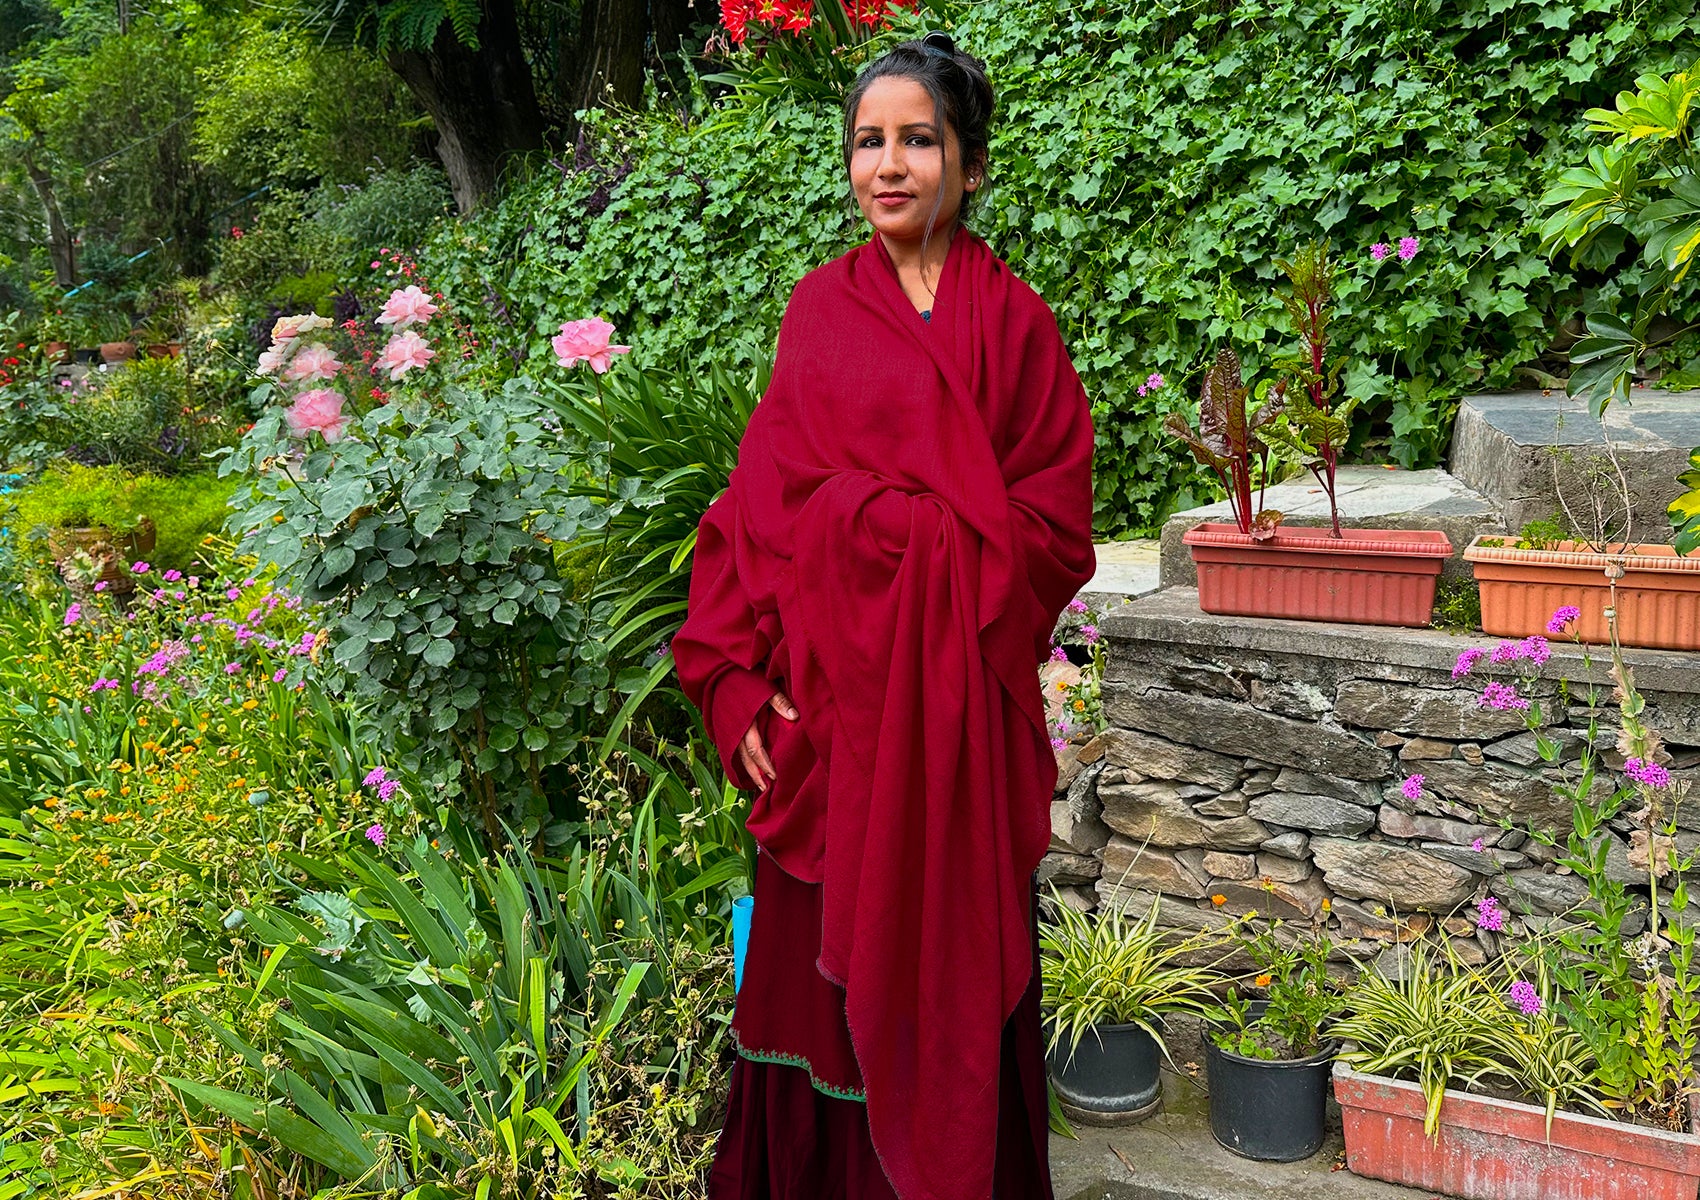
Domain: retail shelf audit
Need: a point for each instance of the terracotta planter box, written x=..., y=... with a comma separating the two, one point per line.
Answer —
x=117, y=352
x=1367, y=577
x=1491, y=1149
x=1658, y=598
x=115, y=552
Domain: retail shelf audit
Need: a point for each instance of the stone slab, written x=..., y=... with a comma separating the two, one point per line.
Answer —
x=1500, y=448
x=1230, y=728
x=1172, y=617
x=1370, y=497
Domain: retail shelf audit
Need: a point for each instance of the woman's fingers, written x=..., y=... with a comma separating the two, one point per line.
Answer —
x=783, y=706
x=756, y=762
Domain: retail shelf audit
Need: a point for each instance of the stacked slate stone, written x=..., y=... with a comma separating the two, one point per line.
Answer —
x=1251, y=778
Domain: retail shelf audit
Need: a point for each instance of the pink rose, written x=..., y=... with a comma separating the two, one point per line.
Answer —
x=275, y=356
x=407, y=306
x=586, y=341
x=317, y=411
x=286, y=328
x=317, y=361
x=404, y=352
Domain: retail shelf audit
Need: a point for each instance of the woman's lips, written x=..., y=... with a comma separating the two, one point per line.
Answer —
x=892, y=201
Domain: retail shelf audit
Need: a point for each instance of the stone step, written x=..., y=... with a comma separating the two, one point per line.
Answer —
x=1506, y=446
x=1370, y=497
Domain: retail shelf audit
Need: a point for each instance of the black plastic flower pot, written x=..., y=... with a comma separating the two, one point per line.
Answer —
x=1111, y=1078
x=1271, y=1111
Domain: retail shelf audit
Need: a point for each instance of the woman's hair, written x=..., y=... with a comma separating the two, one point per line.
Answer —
x=962, y=97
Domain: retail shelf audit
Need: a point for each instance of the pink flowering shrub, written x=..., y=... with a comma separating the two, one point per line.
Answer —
x=423, y=502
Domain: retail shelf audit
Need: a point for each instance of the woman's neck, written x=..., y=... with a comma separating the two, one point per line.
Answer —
x=906, y=257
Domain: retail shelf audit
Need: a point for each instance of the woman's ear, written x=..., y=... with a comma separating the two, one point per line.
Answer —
x=975, y=173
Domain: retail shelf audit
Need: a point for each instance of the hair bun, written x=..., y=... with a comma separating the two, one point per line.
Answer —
x=939, y=42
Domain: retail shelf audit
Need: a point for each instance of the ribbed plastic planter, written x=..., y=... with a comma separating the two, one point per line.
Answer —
x=1269, y=1110
x=1112, y=1078
x=1365, y=577
x=1658, y=598
x=1491, y=1149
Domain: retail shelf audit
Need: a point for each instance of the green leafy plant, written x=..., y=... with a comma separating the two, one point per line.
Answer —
x=1230, y=441
x=1643, y=186
x=1685, y=509
x=1309, y=422
x=455, y=1008
x=1104, y=969
x=1542, y=534
x=1298, y=998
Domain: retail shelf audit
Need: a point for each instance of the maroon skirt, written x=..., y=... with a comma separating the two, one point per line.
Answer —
x=796, y=1123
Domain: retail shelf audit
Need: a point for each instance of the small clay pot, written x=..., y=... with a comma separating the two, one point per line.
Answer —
x=117, y=352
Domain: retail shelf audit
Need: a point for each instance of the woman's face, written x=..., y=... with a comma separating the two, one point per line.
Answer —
x=896, y=169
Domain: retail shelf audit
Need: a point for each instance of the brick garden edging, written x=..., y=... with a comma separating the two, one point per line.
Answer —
x=1260, y=761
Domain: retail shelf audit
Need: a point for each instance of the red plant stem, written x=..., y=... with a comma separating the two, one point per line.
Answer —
x=1330, y=456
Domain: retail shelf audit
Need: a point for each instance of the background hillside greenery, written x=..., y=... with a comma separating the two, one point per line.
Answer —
x=1149, y=165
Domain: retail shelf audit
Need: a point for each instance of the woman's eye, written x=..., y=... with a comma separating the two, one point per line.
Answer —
x=867, y=141
x=920, y=139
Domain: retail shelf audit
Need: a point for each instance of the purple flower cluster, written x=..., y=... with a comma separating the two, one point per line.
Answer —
x=1525, y=998
x=1407, y=250
x=379, y=778
x=1058, y=654
x=375, y=834
x=1648, y=772
x=1562, y=617
x=1090, y=633
x=1077, y=605
x=1467, y=661
x=1501, y=696
x=103, y=684
x=1152, y=382
x=73, y=614
x=1489, y=915
x=1412, y=788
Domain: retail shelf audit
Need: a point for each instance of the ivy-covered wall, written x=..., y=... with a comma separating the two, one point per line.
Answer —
x=1150, y=164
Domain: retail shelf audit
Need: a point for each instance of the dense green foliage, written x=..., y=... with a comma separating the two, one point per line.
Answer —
x=1151, y=164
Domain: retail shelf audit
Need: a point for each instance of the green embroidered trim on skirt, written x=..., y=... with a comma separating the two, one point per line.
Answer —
x=797, y=1060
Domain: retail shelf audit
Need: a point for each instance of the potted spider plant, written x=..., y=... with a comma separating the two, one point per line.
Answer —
x=1109, y=982
x=1268, y=1057
x=1253, y=567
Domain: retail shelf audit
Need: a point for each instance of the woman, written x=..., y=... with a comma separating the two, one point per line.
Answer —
x=869, y=601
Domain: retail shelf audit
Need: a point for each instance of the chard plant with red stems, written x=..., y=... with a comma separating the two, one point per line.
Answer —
x=1227, y=441
x=1312, y=424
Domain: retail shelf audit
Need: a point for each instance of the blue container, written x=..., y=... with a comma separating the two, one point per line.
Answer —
x=742, y=908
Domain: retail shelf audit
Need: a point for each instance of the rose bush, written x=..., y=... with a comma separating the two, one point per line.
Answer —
x=390, y=477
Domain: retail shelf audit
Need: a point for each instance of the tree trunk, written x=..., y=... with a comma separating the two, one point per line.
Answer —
x=59, y=247
x=672, y=22
x=607, y=64
x=481, y=101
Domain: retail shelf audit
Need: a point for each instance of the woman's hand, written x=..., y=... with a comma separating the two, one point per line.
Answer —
x=752, y=754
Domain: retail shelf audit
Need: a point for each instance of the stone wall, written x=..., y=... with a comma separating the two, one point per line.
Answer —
x=1254, y=764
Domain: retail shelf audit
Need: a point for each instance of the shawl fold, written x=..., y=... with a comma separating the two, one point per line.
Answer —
x=910, y=512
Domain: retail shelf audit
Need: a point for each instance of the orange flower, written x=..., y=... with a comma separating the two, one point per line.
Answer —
x=1218, y=899
x=1263, y=980
x=1327, y=904
x=50, y=802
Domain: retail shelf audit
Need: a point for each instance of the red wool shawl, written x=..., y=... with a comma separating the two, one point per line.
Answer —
x=910, y=512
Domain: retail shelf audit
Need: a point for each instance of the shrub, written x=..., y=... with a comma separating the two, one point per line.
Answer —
x=138, y=417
